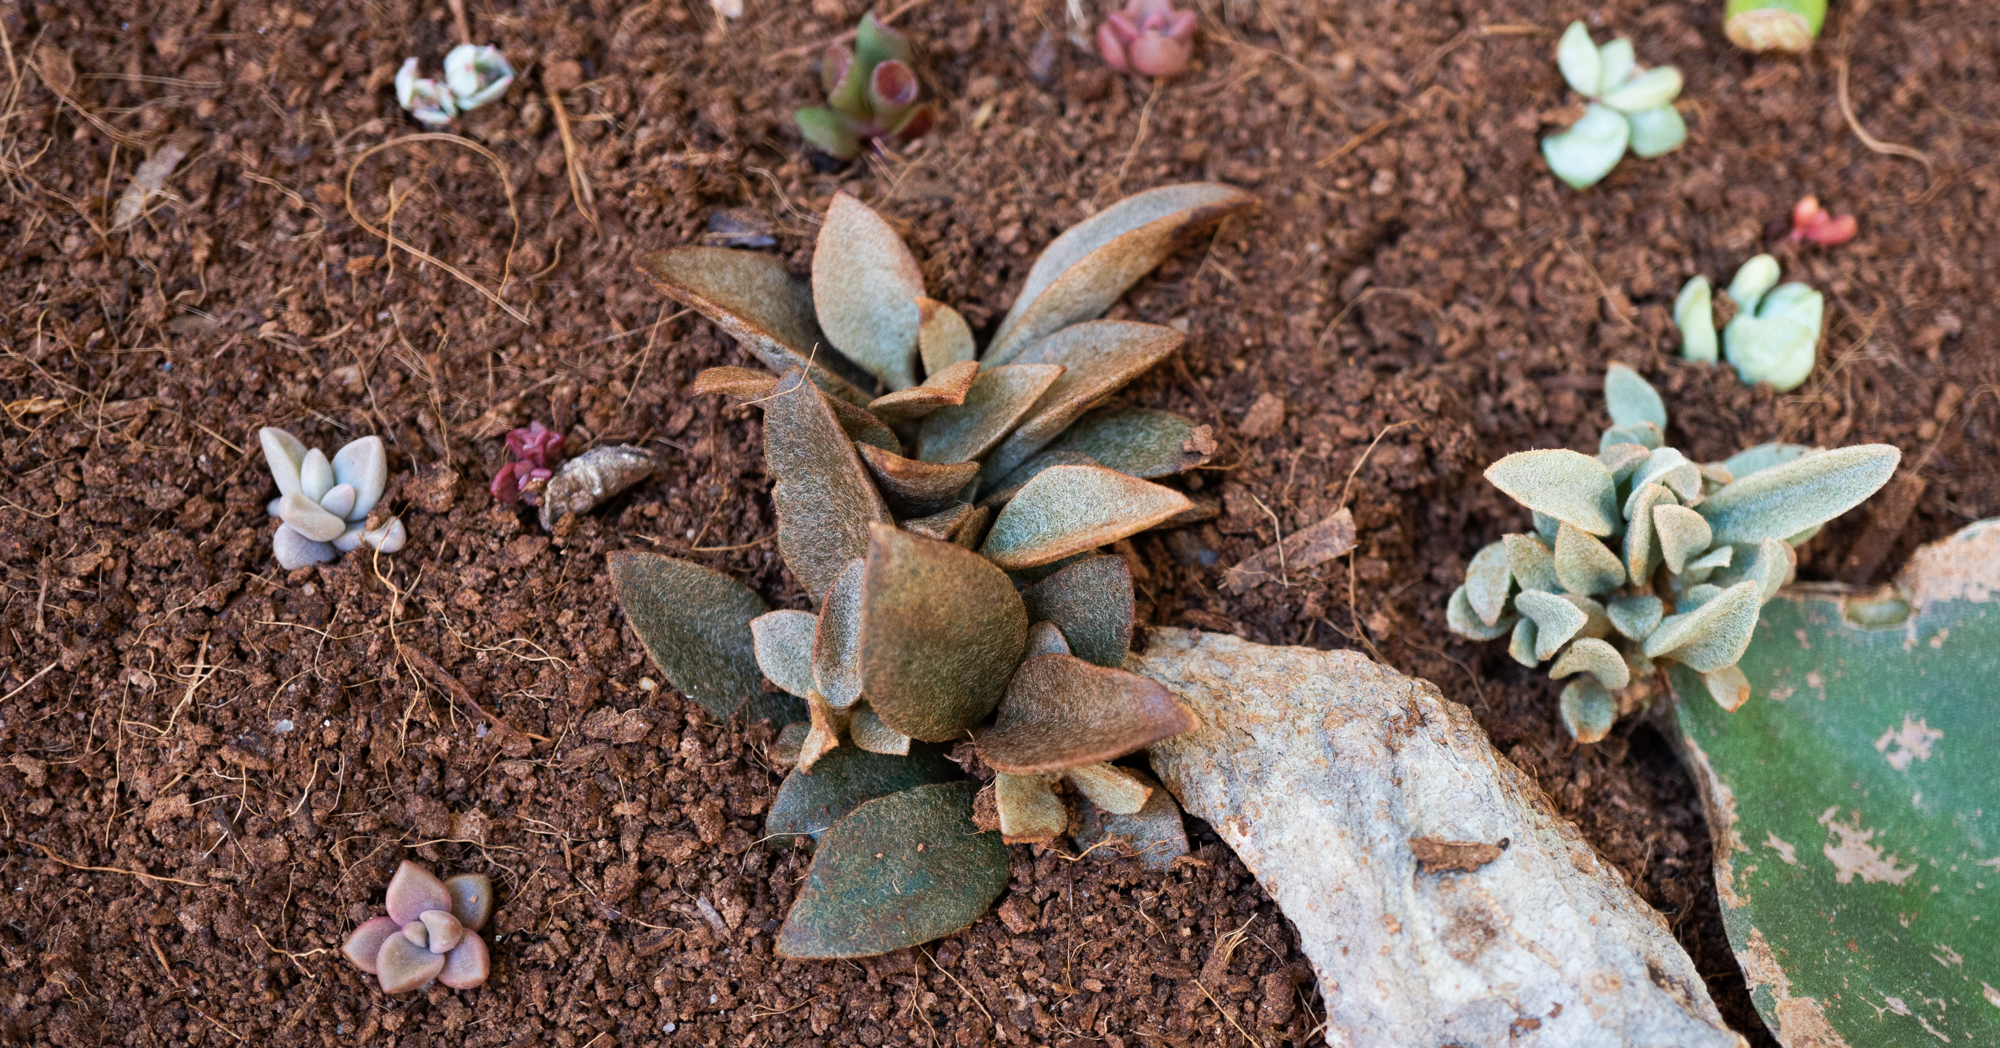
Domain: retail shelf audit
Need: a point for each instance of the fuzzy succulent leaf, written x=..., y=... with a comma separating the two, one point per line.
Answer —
x=1083, y=271
x=1487, y=582
x=1110, y=787
x=1711, y=636
x=1142, y=442
x=784, y=644
x=823, y=495
x=1521, y=646
x=1622, y=458
x=1044, y=638
x=1762, y=457
x=1642, y=542
x=1783, y=500
x=1651, y=89
x=1061, y=712
x=1587, y=151
x=870, y=734
x=1657, y=131
x=865, y=286
x=1631, y=399
x=1531, y=564
x=755, y=300
x=829, y=131
x=1154, y=834
x=1694, y=315
x=1463, y=619
x=1683, y=534
x=1100, y=356
x=1728, y=686
x=944, y=339
x=1584, y=564
x=942, y=525
x=912, y=487
x=810, y=803
x=996, y=402
x=1637, y=616
x=1556, y=620
x=1091, y=603
x=1068, y=509
x=941, y=629
x=836, y=643
x=695, y=623
x=1569, y=486
x=897, y=871
x=1753, y=279
x=1588, y=710
x=1595, y=657
x=1030, y=812
x=1772, y=568
x=863, y=426
x=742, y=385
x=945, y=388
x=1619, y=62
x=1004, y=490
x=1580, y=61
x=1666, y=467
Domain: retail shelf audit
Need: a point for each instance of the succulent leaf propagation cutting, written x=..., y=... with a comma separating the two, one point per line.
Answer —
x=947, y=530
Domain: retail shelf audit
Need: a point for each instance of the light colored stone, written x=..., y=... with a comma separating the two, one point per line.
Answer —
x=1318, y=767
x=587, y=481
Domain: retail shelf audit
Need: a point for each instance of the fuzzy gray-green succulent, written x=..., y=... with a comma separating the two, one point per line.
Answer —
x=946, y=529
x=1699, y=550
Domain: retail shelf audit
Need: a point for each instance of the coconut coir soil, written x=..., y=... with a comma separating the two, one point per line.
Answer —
x=211, y=766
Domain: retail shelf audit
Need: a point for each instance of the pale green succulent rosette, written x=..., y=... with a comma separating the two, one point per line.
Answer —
x=1631, y=108
x=1584, y=154
x=1774, y=337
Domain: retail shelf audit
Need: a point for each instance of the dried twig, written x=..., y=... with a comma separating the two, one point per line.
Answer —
x=1879, y=146
x=579, y=183
x=506, y=184
x=142, y=875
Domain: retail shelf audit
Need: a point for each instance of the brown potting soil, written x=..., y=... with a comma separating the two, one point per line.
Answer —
x=209, y=767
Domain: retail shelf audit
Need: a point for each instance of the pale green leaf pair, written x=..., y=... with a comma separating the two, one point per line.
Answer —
x=1775, y=334
x=1631, y=108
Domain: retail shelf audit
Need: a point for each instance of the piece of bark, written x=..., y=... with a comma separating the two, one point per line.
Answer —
x=1436, y=856
x=1301, y=550
x=1318, y=767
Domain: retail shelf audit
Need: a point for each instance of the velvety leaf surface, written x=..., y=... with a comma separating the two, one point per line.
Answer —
x=1139, y=441
x=1002, y=492
x=867, y=731
x=913, y=487
x=1091, y=603
x=1061, y=712
x=941, y=632
x=942, y=525
x=821, y=491
x=845, y=779
x=945, y=388
x=784, y=642
x=863, y=426
x=1782, y=500
x=1631, y=399
x=1110, y=787
x=1488, y=581
x=739, y=384
x=1101, y=356
x=1711, y=636
x=755, y=300
x=944, y=340
x=1044, y=638
x=1854, y=807
x=865, y=287
x=871, y=890
x=1030, y=811
x=695, y=624
x=995, y=403
x=1564, y=484
x=836, y=642
x=1069, y=509
x=1155, y=835
x=1083, y=271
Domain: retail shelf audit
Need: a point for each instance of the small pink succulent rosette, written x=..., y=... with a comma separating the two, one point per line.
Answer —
x=431, y=932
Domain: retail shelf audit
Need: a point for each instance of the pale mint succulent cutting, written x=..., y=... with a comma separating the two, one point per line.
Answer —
x=1641, y=555
x=324, y=502
x=944, y=509
x=1774, y=336
x=473, y=76
x=1631, y=108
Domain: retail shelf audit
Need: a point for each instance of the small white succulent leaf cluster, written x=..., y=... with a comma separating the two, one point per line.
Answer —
x=1774, y=336
x=473, y=76
x=324, y=502
x=1631, y=107
x=1703, y=547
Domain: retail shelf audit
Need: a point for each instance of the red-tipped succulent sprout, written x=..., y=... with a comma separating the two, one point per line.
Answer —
x=1148, y=37
x=949, y=532
x=871, y=95
x=537, y=449
x=431, y=932
x=1813, y=222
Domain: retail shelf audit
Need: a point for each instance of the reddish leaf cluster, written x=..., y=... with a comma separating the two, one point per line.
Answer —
x=1822, y=227
x=1148, y=37
x=537, y=450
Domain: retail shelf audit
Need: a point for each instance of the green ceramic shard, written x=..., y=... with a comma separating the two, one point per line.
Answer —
x=1782, y=500
x=1066, y=510
x=822, y=493
x=694, y=622
x=1091, y=603
x=941, y=632
x=1631, y=399
x=847, y=778
x=898, y=871
x=865, y=286
x=1854, y=807
x=1139, y=441
x=1564, y=484
x=996, y=402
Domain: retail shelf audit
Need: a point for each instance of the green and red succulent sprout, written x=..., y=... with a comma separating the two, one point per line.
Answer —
x=947, y=528
x=871, y=95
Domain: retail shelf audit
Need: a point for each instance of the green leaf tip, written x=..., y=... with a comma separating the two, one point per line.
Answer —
x=1782, y=500
x=695, y=623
